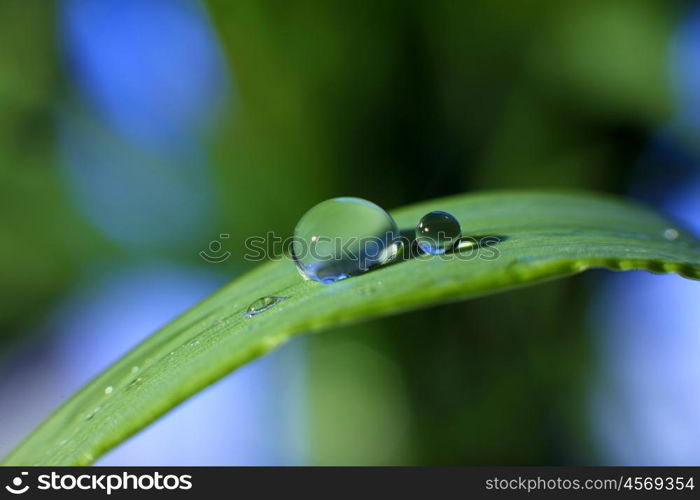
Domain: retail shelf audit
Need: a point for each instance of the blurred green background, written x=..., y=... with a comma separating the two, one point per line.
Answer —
x=103, y=170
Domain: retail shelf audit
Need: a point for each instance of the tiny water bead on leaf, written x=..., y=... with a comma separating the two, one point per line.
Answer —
x=263, y=304
x=343, y=237
x=437, y=232
x=671, y=234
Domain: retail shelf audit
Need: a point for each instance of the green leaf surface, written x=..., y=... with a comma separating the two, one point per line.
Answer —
x=544, y=235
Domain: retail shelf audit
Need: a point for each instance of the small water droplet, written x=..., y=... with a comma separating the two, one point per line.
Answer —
x=263, y=304
x=62, y=442
x=109, y=389
x=134, y=369
x=134, y=383
x=437, y=232
x=194, y=343
x=671, y=234
x=92, y=414
x=344, y=237
x=466, y=243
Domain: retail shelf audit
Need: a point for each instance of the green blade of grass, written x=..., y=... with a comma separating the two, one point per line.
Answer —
x=543, y=236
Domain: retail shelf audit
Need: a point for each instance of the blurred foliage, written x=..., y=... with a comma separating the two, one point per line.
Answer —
x=395, y=102
x=43, y=242
x=498, y=381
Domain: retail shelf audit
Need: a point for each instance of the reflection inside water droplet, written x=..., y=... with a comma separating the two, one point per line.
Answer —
x=109, y=389
x=263, y=304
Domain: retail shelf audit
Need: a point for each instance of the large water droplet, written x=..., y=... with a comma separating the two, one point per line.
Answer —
x=262, y=305
x=437, y=232
x=343, y=237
